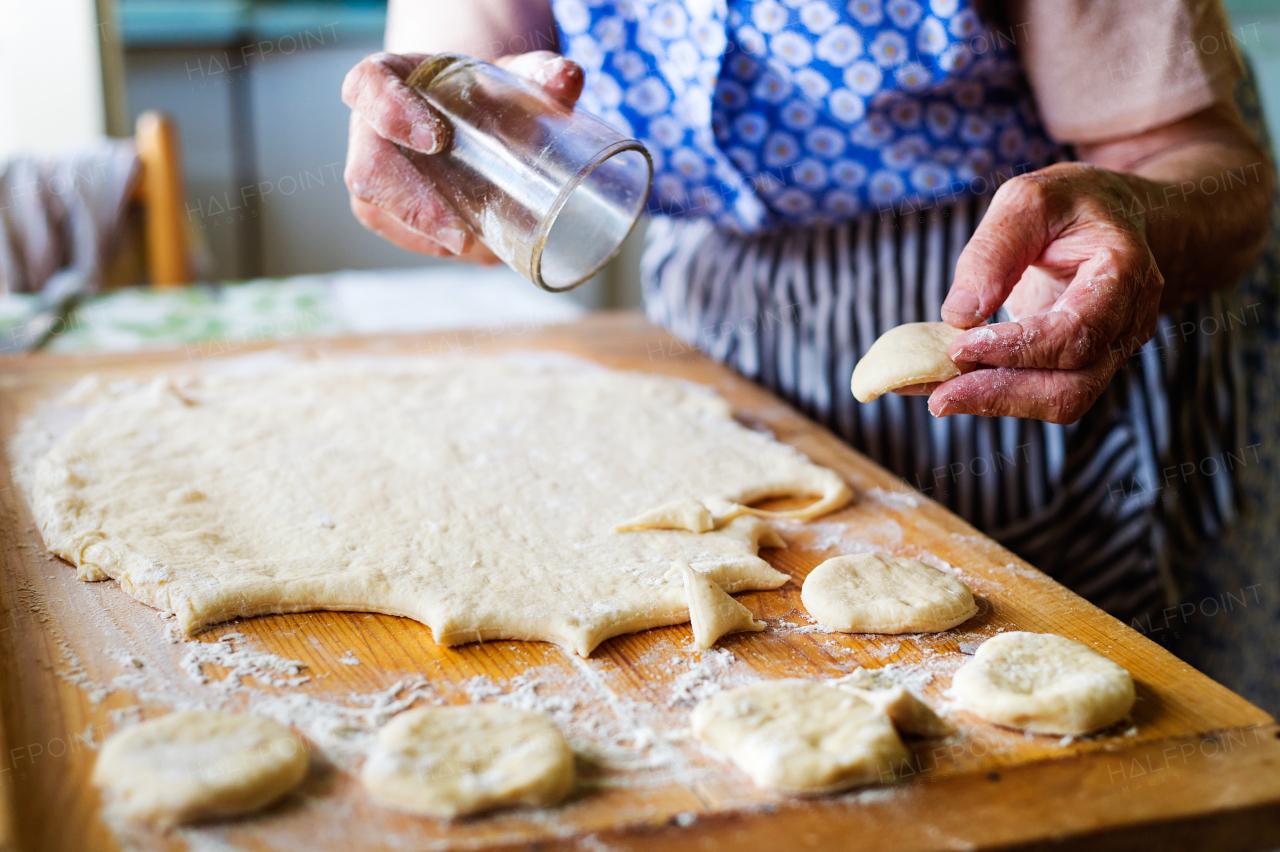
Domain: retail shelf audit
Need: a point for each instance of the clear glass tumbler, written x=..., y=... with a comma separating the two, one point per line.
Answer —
x=552, y=191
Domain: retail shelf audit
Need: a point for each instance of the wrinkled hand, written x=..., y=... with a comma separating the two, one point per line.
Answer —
x=1057, y=249
x=389, y=195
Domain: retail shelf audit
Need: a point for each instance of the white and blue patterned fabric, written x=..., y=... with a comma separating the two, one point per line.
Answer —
x=761, y=113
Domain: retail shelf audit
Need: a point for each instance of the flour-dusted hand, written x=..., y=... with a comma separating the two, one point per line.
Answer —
x=389, y=195
x=1059, y=250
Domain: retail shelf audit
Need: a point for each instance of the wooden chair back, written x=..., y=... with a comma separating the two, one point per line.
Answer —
x=162, y=196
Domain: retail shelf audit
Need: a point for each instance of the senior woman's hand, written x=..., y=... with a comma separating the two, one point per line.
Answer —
x=1084, y=255
x=388, y=194
x=1059, y=251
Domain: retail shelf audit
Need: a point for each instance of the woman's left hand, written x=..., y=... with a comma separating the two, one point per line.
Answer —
x=1058, y=250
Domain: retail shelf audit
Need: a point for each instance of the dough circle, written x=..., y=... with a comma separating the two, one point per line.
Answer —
x=192, y=766
x=452, y=761
x=476, y=495
x=1043, y=683
x=909, y=354
x=869, y=593
x=801, y=737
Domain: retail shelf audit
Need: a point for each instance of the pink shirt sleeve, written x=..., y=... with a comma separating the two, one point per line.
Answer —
x=1104, y=69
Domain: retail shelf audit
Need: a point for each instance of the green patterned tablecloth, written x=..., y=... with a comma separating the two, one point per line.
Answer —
x=220, y=319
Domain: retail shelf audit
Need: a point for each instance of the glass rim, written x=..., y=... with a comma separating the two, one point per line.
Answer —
x=553, y=212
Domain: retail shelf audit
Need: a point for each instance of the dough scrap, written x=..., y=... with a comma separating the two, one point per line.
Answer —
x=192, y=766
x=909, y=354
x=801, y=737
x=714, y=512
x=452, y=761
x=909, y=713
x=473, y=494
x=1043, y=683
x=713, y=613
x=869, y=593
x=684, y=514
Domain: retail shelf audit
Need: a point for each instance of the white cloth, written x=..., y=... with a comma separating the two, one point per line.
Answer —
x=63, y=214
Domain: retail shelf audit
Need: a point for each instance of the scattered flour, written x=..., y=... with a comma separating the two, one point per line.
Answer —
x=1022, y=571
x=934, y=561
x=343, y=731
x=703, y=679
x=830, y=536
x=882, y=649
x=900, y=500
x=522, y=694
x=813, y=628
x=267, y=669
x=73, y=672
x=913, y=677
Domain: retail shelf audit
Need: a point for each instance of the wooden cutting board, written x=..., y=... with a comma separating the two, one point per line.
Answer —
x=1197, y=768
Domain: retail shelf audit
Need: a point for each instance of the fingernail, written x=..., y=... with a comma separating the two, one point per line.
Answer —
x=452, y=239
x=963, y=302
x=424, y=138
x=939, y=407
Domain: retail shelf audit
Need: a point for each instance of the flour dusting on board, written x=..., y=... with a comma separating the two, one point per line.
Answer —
x=900, y=500
x=844, y=539
x=267, y=669
x=708, y=675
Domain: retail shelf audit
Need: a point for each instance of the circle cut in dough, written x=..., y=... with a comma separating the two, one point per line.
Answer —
x=452, y=761
x=1044, y=684
x=801, y=737
x=193, y=766
x=869, y=593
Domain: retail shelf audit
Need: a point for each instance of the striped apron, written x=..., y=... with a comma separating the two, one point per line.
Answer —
x=1105, y=505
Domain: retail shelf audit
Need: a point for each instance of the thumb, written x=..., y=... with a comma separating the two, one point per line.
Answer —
x=1013, y=233
x=561, y=78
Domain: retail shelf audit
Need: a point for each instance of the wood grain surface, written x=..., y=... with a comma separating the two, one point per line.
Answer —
x=1198, y=767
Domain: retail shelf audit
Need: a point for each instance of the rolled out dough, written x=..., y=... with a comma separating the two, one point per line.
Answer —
x=452, y=761
x=869, y=593
x=801, y=737
x=1043, y=683
x=476, y=495
x=193, y=766
x=910, y=354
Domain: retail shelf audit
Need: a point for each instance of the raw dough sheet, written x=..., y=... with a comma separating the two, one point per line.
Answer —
x=477, y=495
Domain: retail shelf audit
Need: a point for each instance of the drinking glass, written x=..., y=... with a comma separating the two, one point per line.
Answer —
x=552, y=191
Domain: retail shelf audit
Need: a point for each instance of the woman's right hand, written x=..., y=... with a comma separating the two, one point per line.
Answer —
x=388, y=194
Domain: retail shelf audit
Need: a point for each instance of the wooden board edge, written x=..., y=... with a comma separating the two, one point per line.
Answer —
x=8, y=823
x=1188, y=798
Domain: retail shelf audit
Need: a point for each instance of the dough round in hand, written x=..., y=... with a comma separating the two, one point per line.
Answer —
x=801, y=737
x=187, y=767
x=910, y=354
x=1043, y=683
x=868, y=593
x=451, y=761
